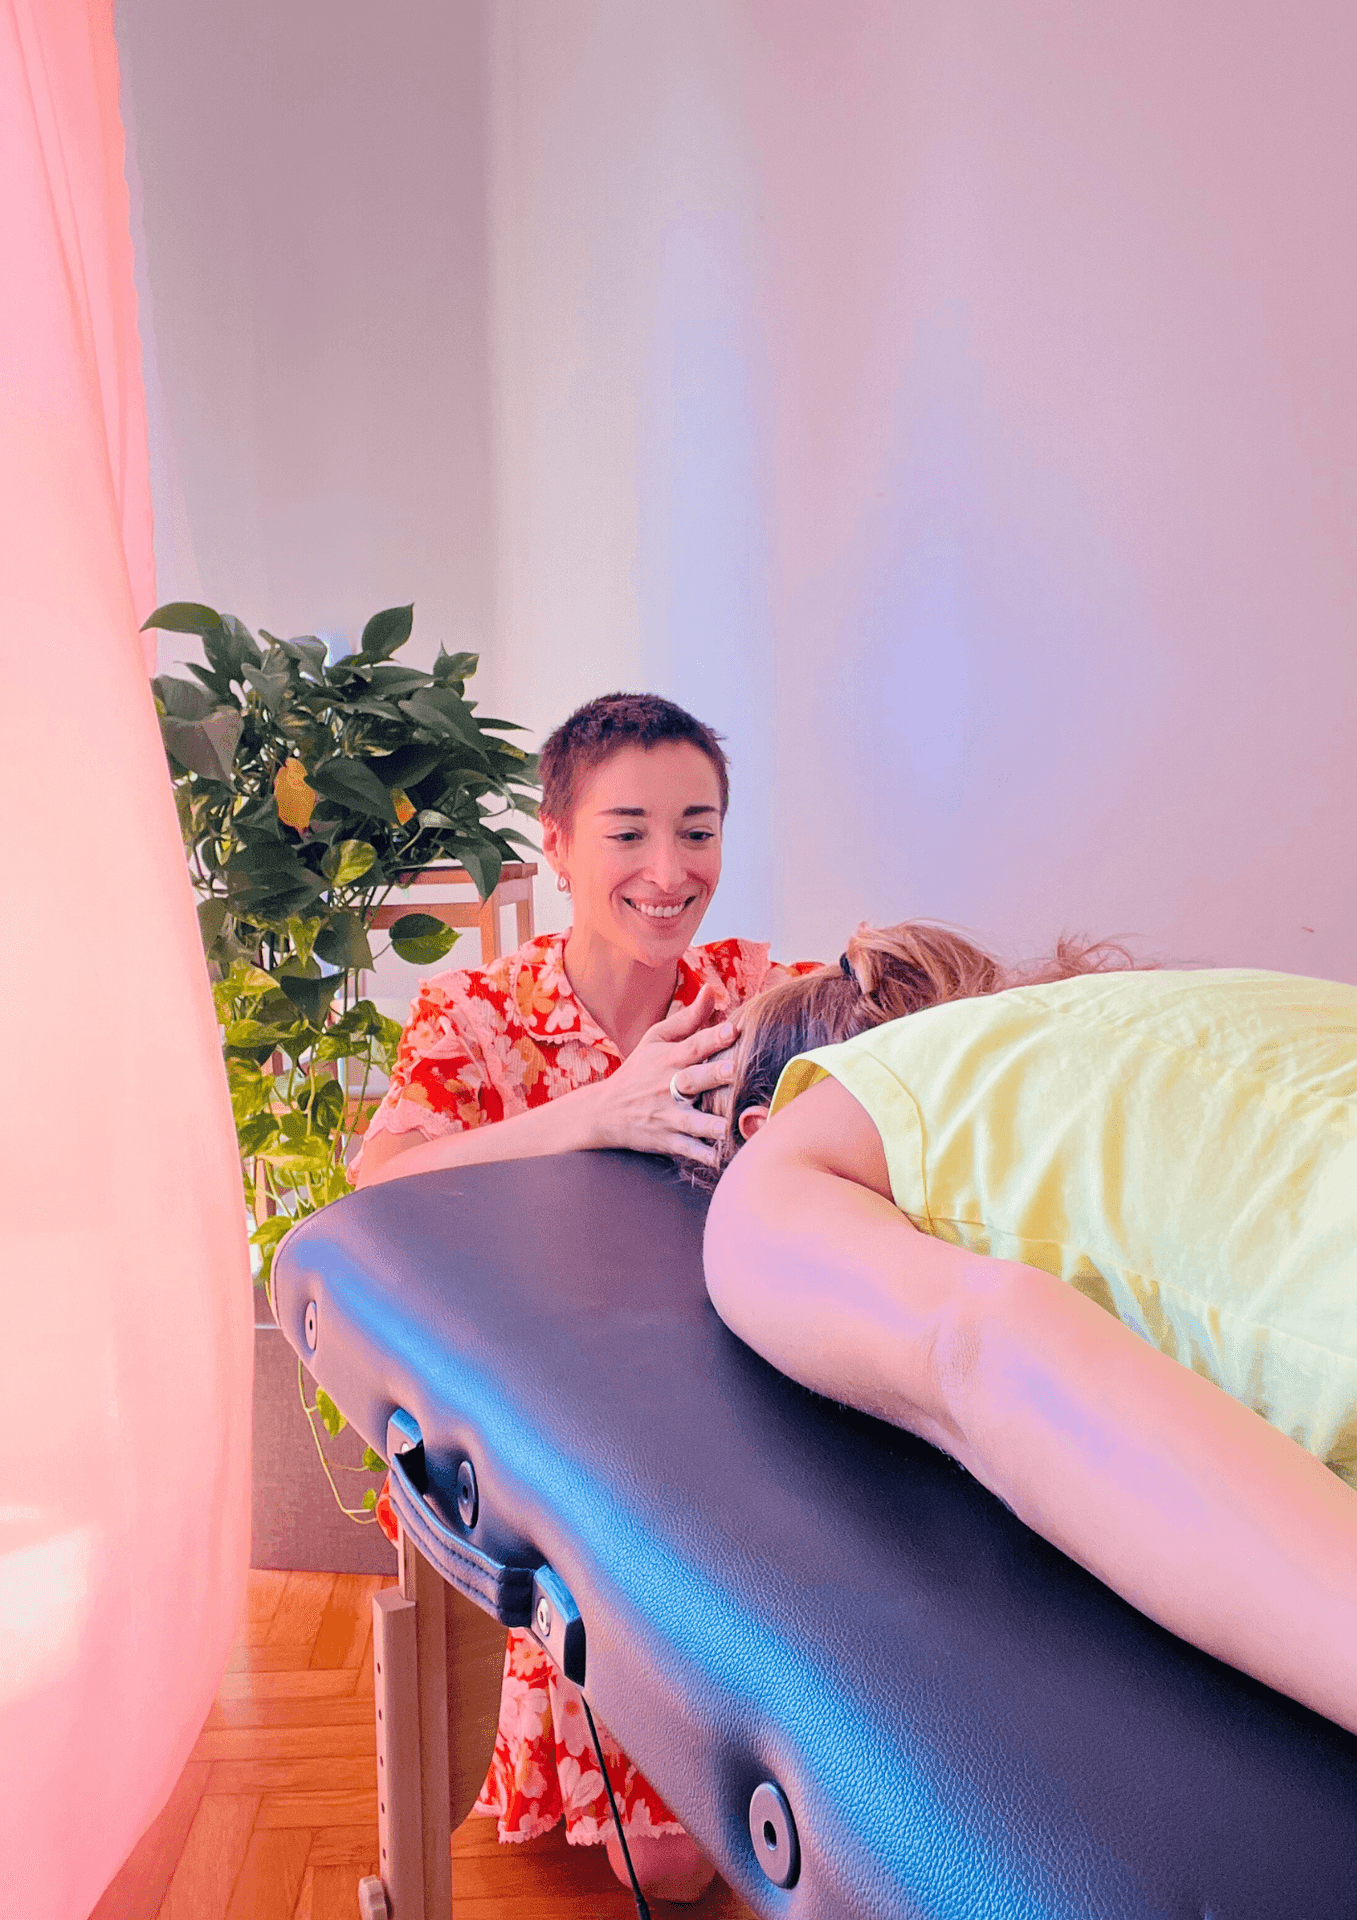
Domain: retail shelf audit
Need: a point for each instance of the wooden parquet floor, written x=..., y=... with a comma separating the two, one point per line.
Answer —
x=275, y=1814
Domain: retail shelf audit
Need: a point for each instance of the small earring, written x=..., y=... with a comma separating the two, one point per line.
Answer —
x=562, y=883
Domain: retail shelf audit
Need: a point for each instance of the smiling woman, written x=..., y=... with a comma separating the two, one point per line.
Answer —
x=594, y=1038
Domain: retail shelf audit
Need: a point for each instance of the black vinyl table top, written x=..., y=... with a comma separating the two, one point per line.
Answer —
x=966, y=1725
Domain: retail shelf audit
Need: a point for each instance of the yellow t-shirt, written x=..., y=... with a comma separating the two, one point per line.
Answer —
x=1181, y=1147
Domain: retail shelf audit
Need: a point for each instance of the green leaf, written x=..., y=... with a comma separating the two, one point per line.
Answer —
x=219, y=682
x=230, y=646
x=407, y=766
x=310, y=997
x=454, y=666
x=207, y=747
x=483, y=863
x=183, y=616
x=370, y=1499
x=330, y=1183
x=250, y=1091
x=518, y=839
x=353, y=786
x=386, y=680
x=272, y=682
x=182, y=699
x=326, y=1109
x=266, y=879
x=347, y=862
x=267, y=857
x=388, y=1037
x=211, y=919
x=302, y=934
x=269, y=1232
x=373, y=1461
x=501, y=726
x=421, y=939
x=334, y=1045
x=386, y=631
x=332, y=1419
x=254, y=1136
x=259, y=821
x=253, y=1034
x=248, y=982
x=344, y=943
x=308, y=651
x=443, y=712
x=308, y=1155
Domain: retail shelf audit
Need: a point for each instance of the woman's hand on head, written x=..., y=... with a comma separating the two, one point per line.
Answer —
x=635, y=1106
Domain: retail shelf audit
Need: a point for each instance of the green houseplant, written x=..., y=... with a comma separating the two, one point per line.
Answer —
x=308, y=790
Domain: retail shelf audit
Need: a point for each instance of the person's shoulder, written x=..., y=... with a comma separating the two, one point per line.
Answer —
x=742, y=967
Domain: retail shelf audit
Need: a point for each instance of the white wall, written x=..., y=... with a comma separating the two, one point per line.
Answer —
x=309, y=185
x=957, y=405
x=954, y=406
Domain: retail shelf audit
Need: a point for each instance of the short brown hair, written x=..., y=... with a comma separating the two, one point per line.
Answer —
x=594, y=733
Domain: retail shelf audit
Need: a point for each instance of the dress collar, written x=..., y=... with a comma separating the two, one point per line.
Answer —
x=551, y=1010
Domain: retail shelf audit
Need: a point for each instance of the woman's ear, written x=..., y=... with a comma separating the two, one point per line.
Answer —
x=751, y=1120
x=553, y=843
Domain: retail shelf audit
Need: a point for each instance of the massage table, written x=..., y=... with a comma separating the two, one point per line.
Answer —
x=864, y=1687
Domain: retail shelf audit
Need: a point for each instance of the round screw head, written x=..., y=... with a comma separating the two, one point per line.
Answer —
x=542, y=1617
x=468, y=1496
x=773, y=1832
x=310, y=1325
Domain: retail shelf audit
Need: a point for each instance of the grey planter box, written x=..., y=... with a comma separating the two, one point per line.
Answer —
x=296, y=1523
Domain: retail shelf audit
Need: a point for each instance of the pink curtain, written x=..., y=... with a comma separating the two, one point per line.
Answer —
x=126, y=1333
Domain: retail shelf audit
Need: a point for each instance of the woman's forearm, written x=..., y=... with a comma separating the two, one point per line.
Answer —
x=1180, y=1498
x=567, y=1124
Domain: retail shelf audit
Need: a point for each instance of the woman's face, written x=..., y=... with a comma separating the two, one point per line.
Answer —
x=644, y=850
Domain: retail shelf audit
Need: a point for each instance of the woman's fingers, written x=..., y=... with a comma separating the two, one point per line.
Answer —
x=701, y=1046
x=683, y=1146
x=686, y=1020
x=699, y=1125
x=717, y=1070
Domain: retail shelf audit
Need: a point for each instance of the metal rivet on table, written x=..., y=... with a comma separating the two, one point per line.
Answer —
x=310, y=1325
x=542, y=1618
x=468, y=1499
x=773, y=1832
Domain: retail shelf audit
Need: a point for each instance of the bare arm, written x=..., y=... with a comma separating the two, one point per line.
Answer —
x=1184, y=1501
x=633, y=1108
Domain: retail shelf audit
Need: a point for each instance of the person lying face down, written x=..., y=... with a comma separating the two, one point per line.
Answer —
x=884, y=974
x=1094, y=1234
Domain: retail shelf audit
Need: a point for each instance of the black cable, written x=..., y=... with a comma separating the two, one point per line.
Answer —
x=641, y=1906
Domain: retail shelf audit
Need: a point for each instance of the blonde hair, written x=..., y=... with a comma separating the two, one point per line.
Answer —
x=886, y=973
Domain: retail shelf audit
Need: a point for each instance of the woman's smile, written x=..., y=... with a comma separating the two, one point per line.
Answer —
x=661, y=911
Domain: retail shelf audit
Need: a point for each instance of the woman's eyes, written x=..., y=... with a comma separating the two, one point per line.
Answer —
x=698, y=835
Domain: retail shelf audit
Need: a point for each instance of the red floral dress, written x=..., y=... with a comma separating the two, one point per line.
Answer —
x=482, y=1044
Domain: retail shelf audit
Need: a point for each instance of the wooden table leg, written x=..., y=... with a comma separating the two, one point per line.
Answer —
x=410, y=1683
x=488, y=924
x=395, y=1675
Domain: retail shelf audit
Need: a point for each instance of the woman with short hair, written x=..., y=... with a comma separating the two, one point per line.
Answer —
x=604, y=1036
